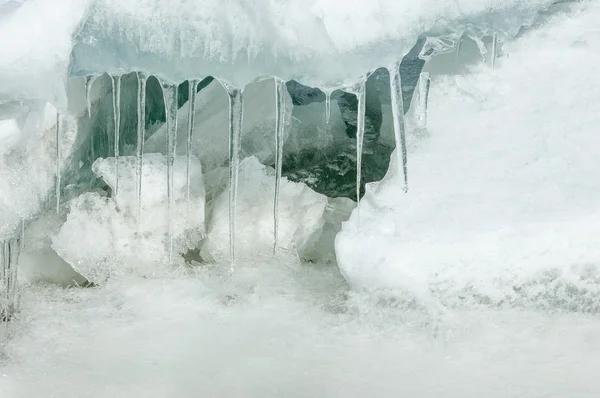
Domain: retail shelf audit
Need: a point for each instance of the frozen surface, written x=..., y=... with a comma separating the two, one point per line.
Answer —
x=101, y=235
x=300, y=216
x=274, y=333
x=503, y=206
x=317, y=42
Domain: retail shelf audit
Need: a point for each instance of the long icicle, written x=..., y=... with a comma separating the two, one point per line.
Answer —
x=494, y=50
x=235, y=130
x=141, y=132
x=398, y=118
x=280, y=121
x=360, y=134
x=58, y=159
x=424, y=84
x=193, y=84
x=170, y=97
x=89, y=82
x=116, y=89
x=5, y=259
x=327, y=106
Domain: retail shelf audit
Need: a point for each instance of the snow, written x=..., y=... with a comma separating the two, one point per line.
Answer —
x=272, y=332
x=503, y=201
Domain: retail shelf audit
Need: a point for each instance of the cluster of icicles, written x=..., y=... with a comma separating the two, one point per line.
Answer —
x=235, y=128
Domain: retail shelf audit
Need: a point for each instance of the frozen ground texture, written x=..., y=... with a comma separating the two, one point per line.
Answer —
x=504, y=201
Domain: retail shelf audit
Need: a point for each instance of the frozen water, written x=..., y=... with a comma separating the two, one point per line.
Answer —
x=503, y=206
x=240, y=41
x=300, y=216
x=502, y=209
x=100, y=236
x=210, y=142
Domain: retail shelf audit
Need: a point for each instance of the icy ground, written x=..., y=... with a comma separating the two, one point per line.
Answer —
x=276, y=333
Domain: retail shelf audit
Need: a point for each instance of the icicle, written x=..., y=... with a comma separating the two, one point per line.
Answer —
x=458, y=48
x=141, y=130
x=89, y=81
x=58, y=159
x=280, y=109
x=360, y=92
x=398, y=117
x=170, y=96
x=494, y=50
x=22, y=239
x=116, y=89
x=9, y=258
x=235, y=131
x=424, y=83
x=327, y=106
x=192, y=107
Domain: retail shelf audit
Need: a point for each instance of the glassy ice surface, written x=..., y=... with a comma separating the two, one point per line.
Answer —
x=482, y=280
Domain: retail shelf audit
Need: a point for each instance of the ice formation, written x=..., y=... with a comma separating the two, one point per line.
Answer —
x=503, y=202
x=300, y=215
x=235, y=138
x=103, y=237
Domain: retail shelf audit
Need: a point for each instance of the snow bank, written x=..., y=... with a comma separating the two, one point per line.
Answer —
x=504, y=198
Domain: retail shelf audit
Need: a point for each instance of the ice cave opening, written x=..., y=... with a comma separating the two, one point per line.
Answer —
x=299, y=199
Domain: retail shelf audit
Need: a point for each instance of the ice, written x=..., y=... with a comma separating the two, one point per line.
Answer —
x=191, y=113
x=300, y=216
x=327, y=107
x=116, y=99
x=235, y=132
x=503, y=207
x=141, y=133
x=210, y=143
x=423, y=99
x=100, y=237
x=397, y=105
x=89, y=82
x=360, y=134
x=170, y=98
x=246, y=40
x=9, y=259
x=280, y=124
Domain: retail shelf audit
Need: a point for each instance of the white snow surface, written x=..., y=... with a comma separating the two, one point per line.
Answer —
x=504, y=193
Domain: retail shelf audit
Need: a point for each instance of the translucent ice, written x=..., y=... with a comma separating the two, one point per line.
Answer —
x=100, y=237
x=300, y=216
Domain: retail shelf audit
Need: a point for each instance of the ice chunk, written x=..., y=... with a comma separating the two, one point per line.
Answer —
x=100, y=236
x=300, y=216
